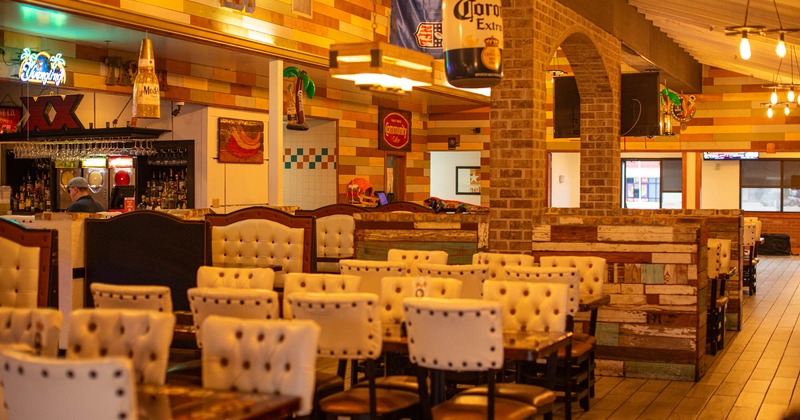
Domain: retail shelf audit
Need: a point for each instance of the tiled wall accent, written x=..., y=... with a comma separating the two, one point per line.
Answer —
x=309, y=178
x=655, y=325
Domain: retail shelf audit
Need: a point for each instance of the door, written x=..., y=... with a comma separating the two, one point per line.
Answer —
x=395, y=176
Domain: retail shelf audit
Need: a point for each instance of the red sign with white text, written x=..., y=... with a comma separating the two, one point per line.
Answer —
x=394, y=130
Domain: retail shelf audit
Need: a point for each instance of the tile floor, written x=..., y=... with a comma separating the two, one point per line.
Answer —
x=754, y=377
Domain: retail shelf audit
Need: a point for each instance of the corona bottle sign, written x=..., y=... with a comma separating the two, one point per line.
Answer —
x=42, y=68
x=473, y=42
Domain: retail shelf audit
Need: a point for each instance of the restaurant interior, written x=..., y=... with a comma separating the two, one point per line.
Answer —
x=612, y=201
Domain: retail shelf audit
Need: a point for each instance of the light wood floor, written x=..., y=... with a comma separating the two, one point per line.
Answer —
x=754, y=377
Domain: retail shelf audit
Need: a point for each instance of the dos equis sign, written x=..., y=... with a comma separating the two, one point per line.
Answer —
x=394, y=130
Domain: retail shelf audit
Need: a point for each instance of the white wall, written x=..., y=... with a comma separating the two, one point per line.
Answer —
x=565, y=180
x=443, y=174
x=719, y=184
x=309, y=169
x=232, y=185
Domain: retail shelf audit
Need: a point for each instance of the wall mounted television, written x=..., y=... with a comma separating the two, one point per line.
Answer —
x=566, y=108
x=640, y=105
x=730, y=155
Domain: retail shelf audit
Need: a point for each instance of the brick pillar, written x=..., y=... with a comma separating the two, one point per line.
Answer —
x=532, y=32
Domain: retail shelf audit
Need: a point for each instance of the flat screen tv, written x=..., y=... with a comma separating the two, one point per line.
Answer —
x=639, y=106
x=730, y=155
x=566, y=108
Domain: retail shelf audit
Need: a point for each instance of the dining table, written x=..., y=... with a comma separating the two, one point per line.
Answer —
x=523, y=346
x=179, y=402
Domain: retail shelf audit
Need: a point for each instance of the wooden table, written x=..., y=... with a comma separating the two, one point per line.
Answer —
x=528, y=346
x=168, y=402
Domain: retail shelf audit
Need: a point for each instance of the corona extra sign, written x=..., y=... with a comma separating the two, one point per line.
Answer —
x=42, y=68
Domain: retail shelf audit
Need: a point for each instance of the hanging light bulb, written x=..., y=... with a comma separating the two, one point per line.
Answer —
x=780, y=49
x=786, y=110
x=744, y=47
x=773, y=98
x=790, y=94
x=769, y=112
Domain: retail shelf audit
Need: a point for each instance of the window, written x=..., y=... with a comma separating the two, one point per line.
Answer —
x=652, y=184
x=770, y=185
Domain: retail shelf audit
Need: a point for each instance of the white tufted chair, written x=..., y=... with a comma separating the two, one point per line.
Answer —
x=593, y=272
x=259, y=243
x=582, y=354
x=498, y=262
x=238, y=278
x=317, y=283
x=38, y=388
x=351, y=329
x=412, y=258
x=750, y=240
x=717, y=301
x=142, y=336
x=463, y=335
x=236, y=303
x=371, y=272
x=335, y=239
x=270, y=357
x=472, y=276
x=118, y=296
x=530, y=306
x=37, y=328
x=19, y=274
x=395, y=289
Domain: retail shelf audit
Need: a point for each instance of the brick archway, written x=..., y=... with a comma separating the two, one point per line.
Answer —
x=518, y=162
x=600, y=160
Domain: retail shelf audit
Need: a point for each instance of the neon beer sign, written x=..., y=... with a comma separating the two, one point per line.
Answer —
x=42, y=68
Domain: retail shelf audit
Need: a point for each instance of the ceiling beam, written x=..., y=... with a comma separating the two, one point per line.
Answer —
x=681, y=71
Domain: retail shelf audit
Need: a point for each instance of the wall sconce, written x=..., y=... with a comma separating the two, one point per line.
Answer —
x=381, y=67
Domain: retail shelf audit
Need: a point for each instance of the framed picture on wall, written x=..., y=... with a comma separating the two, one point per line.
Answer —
x=468, y=180
x=241, y=141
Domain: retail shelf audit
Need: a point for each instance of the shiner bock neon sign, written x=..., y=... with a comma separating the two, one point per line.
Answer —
x=42, y=68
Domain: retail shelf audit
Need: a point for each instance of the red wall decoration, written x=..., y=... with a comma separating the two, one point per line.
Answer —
x=394, y=130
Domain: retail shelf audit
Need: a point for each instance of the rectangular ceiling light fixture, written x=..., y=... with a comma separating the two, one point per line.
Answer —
x=382, y=67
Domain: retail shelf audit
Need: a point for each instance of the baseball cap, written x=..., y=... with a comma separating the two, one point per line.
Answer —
x=79, y=182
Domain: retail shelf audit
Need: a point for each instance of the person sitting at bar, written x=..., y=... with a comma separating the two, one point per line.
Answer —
x=82, y=202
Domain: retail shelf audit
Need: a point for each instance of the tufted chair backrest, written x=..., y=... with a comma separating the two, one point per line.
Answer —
x=754, y=220
x=498, y=262
x=713, y=258
x=412, y=258
x=472, y=276
x=236, y=278
x=117, y=296
x=142, y=336
x=335, y=237
x=270, y=357
x=46, y=388
x=317, y=283
x=568, y=276
x=235, y=303
x=371, y=272
x=593, y=271
x=258, y=242
x=395, y=289
x=37, y=328
x=724, y=253
x=750, y=229
x=350, y=323
x=454, y=334
x=19, y=274
x=530, y=306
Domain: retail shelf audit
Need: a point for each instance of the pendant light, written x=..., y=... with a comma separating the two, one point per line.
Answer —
x=769, y=111
x=786, y=110
x=744, y=30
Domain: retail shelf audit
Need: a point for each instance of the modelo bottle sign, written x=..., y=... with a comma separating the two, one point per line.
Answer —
x=473, y=42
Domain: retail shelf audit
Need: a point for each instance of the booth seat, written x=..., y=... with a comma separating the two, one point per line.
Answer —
x=335, y=230
x=28, y=266
x=262, y=237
